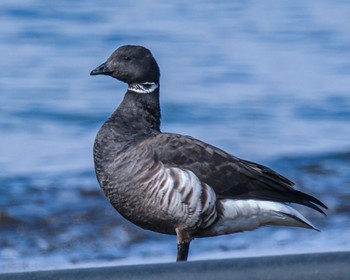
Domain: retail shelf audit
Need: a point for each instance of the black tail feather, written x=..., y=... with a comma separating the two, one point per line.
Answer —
x=290, y=196
x=310, y=201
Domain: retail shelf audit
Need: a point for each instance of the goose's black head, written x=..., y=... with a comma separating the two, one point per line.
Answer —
x=130, y=64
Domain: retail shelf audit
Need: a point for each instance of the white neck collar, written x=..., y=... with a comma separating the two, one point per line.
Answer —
x=144, y=87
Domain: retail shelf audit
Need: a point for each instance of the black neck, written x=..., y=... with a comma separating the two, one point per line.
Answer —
x=138, y=114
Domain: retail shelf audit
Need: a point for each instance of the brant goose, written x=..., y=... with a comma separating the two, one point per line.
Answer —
x=175, y=184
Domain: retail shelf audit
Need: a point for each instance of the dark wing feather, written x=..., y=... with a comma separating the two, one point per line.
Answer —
x=229, y=176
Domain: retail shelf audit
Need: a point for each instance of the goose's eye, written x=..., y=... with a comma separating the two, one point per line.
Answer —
x=126, y=58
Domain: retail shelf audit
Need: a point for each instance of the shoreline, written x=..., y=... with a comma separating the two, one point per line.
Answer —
x=333, y=265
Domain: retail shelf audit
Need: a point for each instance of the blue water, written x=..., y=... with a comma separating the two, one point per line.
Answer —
x=267, y=81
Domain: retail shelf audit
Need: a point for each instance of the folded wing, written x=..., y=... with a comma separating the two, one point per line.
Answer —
x=229, y=176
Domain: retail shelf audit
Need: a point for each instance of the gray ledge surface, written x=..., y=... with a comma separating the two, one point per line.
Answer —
x=306, y=266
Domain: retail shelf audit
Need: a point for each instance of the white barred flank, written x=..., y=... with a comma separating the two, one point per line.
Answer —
x=192, y=204
x=242, y=215
x=184, y=197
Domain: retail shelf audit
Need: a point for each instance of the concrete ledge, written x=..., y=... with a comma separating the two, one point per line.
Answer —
x=306, y=266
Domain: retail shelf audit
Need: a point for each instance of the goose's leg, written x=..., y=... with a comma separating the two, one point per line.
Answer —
x=183, y=245
x=182, y=251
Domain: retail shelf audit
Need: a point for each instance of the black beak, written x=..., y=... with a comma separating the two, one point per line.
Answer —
x=101, y=70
